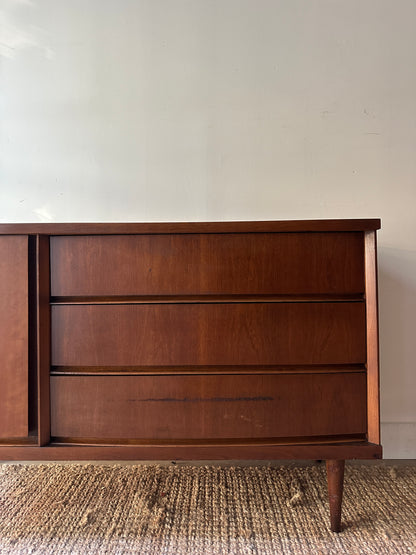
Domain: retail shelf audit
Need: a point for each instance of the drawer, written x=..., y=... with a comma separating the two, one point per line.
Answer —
x=198, y=407
x=208, y=264
x=208, y=334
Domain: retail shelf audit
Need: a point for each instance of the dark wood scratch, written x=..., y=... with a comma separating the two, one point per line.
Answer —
x=200, y=399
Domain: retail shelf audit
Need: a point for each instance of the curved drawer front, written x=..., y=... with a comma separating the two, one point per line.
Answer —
x=198, y=407
x=208, y=334
x=205, y=264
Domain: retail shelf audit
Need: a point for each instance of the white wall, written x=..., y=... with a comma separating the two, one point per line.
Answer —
x=143, y=110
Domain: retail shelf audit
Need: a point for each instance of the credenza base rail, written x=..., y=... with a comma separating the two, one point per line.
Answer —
x=61, y=452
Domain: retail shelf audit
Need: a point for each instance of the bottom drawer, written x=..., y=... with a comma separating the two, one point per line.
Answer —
x=207, y=406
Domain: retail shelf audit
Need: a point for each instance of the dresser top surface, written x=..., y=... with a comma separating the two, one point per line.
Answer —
x=282, y=226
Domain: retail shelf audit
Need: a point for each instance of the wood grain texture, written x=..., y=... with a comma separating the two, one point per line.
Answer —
x=212, y=264
x=14, y=338
x=283, y=226
x=194, y=407
x=217, y=334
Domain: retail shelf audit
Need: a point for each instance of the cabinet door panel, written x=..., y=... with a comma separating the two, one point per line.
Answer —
x=208, y=264
x=208, y=334
x=13, y=336
x=198, y=407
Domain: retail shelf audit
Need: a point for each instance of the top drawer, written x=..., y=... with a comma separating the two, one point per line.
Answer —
x=208, y=264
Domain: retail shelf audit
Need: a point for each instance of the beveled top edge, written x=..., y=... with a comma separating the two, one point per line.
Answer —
x=268, y=226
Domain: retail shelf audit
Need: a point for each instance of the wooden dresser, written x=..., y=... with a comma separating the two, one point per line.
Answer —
x=236, y=340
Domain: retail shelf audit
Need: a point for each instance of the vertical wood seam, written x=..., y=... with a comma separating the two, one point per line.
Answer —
x=43, y=337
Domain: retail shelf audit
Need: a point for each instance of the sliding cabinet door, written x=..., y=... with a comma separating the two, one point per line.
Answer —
x=14, y=415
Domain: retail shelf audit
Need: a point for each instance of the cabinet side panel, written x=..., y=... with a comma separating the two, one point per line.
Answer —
x=372, y=337
x=14, y=336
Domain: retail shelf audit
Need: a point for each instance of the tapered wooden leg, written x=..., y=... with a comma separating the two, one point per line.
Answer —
x=335, y=473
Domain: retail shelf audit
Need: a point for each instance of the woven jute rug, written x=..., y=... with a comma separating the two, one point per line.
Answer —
x=78, y=508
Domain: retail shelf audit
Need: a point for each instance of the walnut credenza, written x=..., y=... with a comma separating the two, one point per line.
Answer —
x=236, y=340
